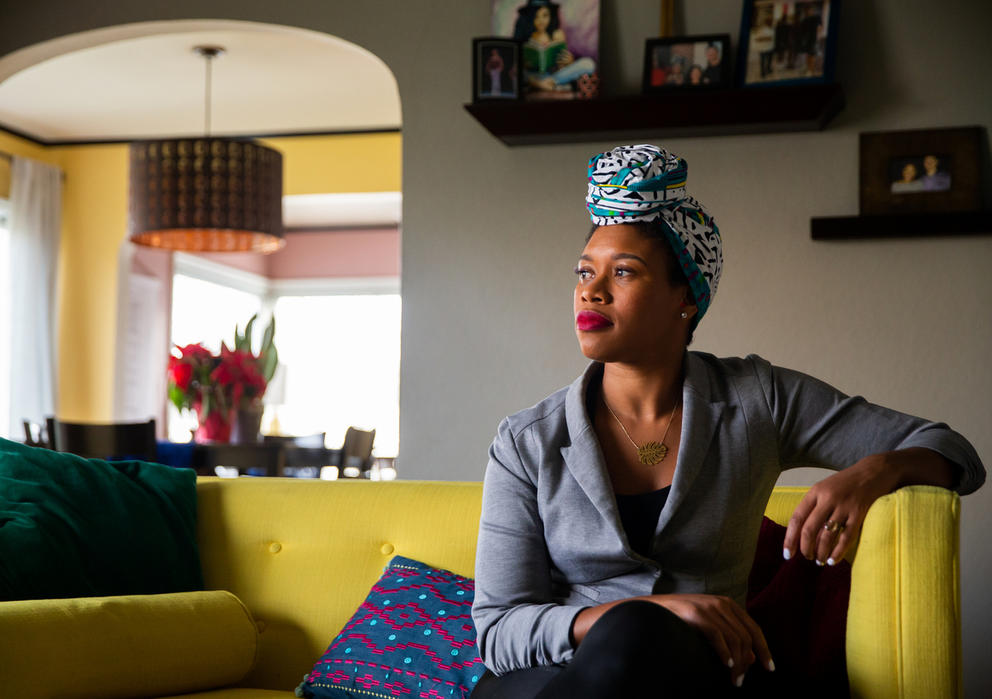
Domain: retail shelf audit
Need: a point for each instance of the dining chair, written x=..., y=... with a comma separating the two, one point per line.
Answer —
x=113, y=440
x=36, y=435
x=356, y=452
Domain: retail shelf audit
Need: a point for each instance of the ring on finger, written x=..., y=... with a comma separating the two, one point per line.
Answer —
x=834, y=527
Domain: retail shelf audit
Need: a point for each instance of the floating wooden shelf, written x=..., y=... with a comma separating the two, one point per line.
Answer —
x=902, y=225
x=674, y=114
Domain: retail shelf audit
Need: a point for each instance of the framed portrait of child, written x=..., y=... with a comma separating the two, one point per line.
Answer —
x=496, y=69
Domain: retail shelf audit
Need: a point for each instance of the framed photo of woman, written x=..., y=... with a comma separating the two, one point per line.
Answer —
x=688, y=62
x=496, y=69
x=787, y=42
x=560, y=45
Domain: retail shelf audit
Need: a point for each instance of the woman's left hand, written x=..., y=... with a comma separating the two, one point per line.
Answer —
x=829, y=516
x=564, y=58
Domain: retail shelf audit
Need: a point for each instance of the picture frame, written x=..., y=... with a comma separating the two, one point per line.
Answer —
x=687, y=63
x=560, y=45
x=925, y=170
x=787, y=43
x=497, y=69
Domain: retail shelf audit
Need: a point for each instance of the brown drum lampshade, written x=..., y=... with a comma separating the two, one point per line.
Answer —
x=206, y=195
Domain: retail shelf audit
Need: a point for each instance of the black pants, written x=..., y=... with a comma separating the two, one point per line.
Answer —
x=636, y=649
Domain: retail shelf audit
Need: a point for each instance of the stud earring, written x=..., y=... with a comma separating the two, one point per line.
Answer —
x=684, y=314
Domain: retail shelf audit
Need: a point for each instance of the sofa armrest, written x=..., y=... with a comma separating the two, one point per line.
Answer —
x=904, y=615
x=133, y=646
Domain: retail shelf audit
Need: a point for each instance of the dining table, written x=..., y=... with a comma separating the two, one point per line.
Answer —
x=250, y=459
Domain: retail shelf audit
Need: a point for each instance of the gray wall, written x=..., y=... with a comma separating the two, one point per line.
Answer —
x=490, y=233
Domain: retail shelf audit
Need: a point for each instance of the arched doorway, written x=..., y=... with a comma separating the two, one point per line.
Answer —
x=332, y=108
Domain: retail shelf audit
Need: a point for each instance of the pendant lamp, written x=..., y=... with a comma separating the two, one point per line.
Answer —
x=206, y=194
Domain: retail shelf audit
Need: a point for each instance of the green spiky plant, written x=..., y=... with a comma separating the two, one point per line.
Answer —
x=268, y=355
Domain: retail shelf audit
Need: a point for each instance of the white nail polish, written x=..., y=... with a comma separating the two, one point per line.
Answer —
x=730, y=663
x=739, y=681
x=771, y=666
x=831, y=562
x=786, y=554
x=819, y=563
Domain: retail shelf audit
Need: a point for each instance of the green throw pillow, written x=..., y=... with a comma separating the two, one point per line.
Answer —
x=75, y=527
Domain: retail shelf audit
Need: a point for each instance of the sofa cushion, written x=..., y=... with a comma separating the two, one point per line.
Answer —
x=413, y=636
x=75, y=527
x=133, y=646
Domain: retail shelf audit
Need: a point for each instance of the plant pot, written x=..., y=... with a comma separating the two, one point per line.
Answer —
x=214, y=429
x=247, y=427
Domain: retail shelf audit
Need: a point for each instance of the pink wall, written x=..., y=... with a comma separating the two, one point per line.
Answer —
x=370, y=252
x=245, y=261
x=373, y=252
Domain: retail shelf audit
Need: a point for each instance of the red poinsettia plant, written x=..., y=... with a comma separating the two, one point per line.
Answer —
x=217, y=385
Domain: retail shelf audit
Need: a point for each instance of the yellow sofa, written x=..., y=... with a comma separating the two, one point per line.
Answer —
x=299, y=557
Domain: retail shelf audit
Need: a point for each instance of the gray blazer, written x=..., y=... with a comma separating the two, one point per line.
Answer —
x=550, y=537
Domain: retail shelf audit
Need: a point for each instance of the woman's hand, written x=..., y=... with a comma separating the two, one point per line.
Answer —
x=734, y=635
x=830, y=515
x=564, y=58
x=731, y=631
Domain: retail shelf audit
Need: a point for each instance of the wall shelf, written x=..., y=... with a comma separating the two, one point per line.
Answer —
x=901, y=225
x=677, y=114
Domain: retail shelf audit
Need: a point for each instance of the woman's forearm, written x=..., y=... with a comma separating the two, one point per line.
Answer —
x=590, y=615
x=913, y=466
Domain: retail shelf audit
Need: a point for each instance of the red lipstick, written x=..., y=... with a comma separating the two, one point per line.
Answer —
x=590, y=320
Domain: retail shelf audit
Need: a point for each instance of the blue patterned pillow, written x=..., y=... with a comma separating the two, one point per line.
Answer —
x=412, y=637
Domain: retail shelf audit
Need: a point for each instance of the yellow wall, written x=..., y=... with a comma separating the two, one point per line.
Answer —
x=18, y=146
x=94, y=222
x=348, y=163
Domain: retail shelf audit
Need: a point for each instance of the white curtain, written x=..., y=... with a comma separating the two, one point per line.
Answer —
x=35, y=222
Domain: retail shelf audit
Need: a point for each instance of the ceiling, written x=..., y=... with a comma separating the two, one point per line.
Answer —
x=144, y=80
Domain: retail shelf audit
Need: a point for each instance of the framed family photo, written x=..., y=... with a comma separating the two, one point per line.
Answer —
x=788, y=42
x=689, y=62
x=559, y=43
x=496, y=69
x=932, y=170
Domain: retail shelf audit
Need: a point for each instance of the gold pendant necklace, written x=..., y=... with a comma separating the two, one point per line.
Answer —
x=649, y=453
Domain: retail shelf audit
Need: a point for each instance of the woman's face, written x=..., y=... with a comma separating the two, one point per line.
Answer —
x=542, y=18
x=625, y=308
x=908, y=172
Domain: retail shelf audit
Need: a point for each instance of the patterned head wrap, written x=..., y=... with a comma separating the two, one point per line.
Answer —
x=646, y=183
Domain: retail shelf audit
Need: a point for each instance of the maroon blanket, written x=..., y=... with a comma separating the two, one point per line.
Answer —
x=802, y=609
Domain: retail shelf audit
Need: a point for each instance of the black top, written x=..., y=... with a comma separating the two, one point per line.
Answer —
x=639, y=515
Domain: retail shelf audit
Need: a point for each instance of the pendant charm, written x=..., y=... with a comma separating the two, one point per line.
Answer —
x=652, y=453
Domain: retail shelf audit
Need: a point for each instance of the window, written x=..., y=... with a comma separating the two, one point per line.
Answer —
x=6, y=334
x=208, y=301
x=338, y=342
x=342, y=359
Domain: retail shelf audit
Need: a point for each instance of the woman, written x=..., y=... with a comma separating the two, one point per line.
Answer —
x=909, y=181
x=620, y=515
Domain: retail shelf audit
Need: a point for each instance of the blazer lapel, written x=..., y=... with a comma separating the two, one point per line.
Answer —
x=583, y=456
x=700, y=416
